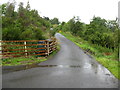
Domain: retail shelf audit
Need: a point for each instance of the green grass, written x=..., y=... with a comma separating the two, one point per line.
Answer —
x=112, y=65
x=21, y=61
x=98, y=52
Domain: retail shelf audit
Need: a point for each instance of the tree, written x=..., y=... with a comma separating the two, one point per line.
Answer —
x=46, y=18
x=54, y=21
x=3, y=9
x=10, y=9
x=23, y=24
x=28, y=6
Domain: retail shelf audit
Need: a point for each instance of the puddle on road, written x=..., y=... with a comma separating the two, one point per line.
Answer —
x=94, y=68
x=18, y=68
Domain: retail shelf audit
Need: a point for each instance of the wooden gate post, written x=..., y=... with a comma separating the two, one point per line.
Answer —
x=48, y=50
x=55, y=44
x=25, y=48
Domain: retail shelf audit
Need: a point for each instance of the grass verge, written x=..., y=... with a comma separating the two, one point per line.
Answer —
x=21, y=61
x=103, y=55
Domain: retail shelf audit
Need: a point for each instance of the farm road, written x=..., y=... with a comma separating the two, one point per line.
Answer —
x=69, y=68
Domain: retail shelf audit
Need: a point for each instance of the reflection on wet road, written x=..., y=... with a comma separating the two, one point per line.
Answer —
x=69, y=68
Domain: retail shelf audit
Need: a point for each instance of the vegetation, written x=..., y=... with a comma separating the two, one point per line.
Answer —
x=21, y=61
x=25, y=23
x=108, y=59
x=100, y=31
x=54, y=21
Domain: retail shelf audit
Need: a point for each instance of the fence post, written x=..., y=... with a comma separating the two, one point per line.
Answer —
x=0, y=49
x=48, y=50
x=55, y=44
x=25, y=48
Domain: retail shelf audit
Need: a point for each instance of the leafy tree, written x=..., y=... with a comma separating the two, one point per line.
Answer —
x=54, y=21
x=46, y=18
x=23, y=24
x=3, y=9
x=10, y=10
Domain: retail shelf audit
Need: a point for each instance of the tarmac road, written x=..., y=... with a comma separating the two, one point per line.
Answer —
x=69, y=68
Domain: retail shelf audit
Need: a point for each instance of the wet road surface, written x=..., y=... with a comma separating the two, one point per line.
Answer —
x=69, y=68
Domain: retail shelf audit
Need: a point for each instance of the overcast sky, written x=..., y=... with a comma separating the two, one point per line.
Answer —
x=66, y=9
